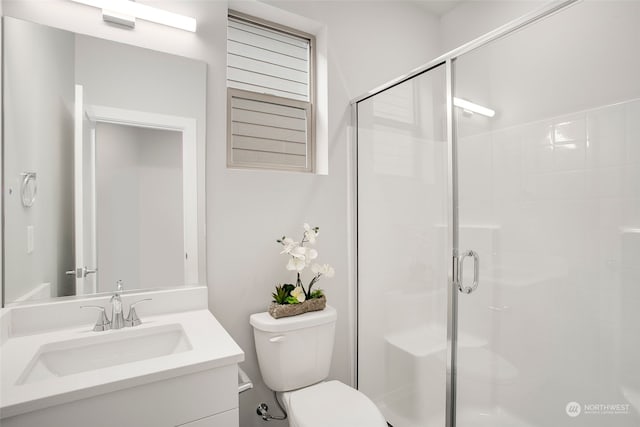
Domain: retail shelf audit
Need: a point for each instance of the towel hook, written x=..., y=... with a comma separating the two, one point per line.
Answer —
x=28, y=189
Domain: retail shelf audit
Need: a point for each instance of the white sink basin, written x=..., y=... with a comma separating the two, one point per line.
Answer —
x=103, y=350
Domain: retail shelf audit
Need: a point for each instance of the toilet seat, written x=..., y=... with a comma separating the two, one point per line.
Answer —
x=332, y=404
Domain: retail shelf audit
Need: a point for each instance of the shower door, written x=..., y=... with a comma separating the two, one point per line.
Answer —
x=402, y=250
x=549, y=197
x=540, y=178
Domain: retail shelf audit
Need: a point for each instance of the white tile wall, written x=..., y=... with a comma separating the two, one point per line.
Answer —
x=559, y=291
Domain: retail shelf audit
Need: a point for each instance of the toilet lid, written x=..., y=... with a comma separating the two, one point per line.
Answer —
x=333, y=404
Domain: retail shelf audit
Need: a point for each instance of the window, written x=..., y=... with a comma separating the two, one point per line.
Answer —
x=270, y=95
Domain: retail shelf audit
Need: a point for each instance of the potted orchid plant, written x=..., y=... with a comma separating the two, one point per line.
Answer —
x=290, y=299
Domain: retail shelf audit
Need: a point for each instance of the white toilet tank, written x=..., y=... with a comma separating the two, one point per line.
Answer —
x=294, y=352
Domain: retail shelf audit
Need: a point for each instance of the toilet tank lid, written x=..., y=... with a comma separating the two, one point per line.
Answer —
x=264, y=321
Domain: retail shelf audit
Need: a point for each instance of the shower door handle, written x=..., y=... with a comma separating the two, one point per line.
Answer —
x=476, y=272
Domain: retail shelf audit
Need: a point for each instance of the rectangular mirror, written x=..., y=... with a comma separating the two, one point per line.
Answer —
x=103, y=165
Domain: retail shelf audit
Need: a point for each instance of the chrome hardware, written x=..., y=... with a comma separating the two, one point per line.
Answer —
x=476, y=272
x=132, y=318
x=86, y=271
x=263, y=411
x=81, y=272
x=117, y=318
x=103, y=323
x=28, y=188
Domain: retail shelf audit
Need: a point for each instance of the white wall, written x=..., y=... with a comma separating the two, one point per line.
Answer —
x=248, y=210
x=1, y=171
x=41, y=83
x=117, y=207
x=161, y=216
x=471, y=19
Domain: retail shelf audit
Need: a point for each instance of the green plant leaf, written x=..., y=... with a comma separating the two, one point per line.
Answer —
x=292, y=300
x=317, y=293
x=280, y=295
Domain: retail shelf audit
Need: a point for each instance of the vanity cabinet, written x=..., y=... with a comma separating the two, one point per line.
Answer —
x=206, y=398
x=175, y=369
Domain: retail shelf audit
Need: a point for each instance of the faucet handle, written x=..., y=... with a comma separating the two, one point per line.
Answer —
x=132, y=318
x=103, y=323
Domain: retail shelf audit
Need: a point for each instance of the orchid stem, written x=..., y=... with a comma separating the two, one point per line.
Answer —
x=313, y=282
x=299, y=283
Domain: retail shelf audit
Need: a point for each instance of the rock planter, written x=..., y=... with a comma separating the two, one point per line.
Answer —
x=285, y=310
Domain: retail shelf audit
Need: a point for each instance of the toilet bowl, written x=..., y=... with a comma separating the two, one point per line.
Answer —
x=294, y=355
x=331, y=404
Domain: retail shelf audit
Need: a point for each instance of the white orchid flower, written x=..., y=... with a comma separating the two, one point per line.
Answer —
x=330, y=272
x=310, y=237
x=310, y=254
x=289, y=245
x=296, y=264
x=298, y=293
x=299, y=252
x=325, y=270
x=310, y=234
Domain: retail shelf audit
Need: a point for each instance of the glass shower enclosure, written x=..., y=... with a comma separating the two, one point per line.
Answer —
x=499, y=228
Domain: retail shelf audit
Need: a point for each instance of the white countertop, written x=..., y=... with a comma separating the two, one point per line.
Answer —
x=212, y=347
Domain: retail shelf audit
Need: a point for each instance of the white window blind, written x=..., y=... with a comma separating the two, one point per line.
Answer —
x=269, y=97
x=265, y=60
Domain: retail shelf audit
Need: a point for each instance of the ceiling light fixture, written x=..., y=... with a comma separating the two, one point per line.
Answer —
x=127, y=11
x=470, y=106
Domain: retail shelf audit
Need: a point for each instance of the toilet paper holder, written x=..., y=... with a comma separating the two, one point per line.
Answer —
x=244, y=382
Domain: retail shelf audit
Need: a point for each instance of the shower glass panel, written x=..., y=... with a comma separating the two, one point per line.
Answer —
x=402, y=250
x=549, y=197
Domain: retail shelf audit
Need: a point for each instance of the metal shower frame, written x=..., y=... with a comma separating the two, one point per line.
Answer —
x=448, y=60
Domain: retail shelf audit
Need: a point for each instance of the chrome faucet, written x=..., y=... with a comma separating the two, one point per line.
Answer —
x=132, y=318
x=103, y=323
x=117, y=318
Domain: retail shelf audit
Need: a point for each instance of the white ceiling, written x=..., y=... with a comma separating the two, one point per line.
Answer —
x=438, y=7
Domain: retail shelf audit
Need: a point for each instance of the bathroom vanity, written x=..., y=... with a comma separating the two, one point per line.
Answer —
x=178, y=368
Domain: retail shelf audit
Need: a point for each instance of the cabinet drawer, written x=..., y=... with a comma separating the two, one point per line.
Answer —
x=167, y=403
x=225, y=419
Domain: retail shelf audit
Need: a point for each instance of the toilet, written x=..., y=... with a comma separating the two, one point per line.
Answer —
x=294, y=354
